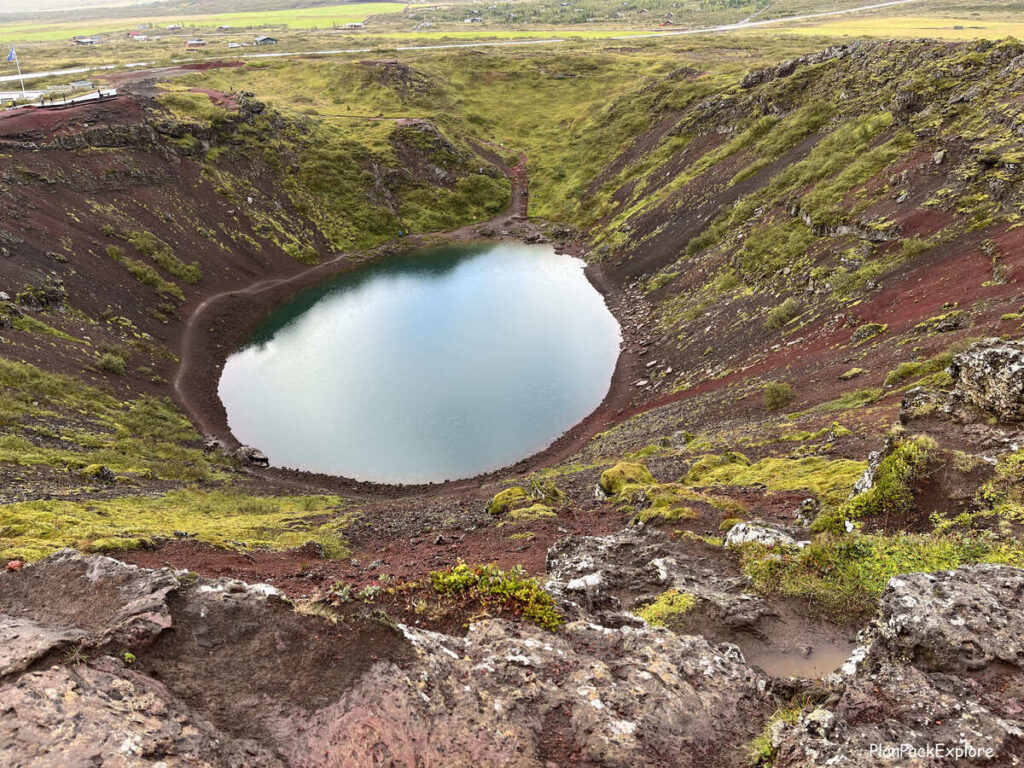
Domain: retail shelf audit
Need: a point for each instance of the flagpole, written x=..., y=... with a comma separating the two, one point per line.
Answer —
x=17, y=63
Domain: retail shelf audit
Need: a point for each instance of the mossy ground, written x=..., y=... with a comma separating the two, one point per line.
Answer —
x=225, y=519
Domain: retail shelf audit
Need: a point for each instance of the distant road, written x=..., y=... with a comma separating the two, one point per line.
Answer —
x=765, y=22
x=550, y=41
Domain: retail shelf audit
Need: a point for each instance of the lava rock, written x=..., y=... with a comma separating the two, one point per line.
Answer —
x=990, y=375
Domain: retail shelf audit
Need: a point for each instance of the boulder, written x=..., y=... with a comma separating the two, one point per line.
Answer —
x=769, y=535
x=941, y=668
x=603, y=577
x=225, y=673
x=614, y=479
x=253, y=456
x=990, y=375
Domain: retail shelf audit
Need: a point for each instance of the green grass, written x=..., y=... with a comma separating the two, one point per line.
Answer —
x=844, y=576
x=304, y=18
x=142, y=438
x=224, y=519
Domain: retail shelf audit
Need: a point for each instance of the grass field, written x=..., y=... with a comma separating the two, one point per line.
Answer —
x=303, y=18
x=907, y=26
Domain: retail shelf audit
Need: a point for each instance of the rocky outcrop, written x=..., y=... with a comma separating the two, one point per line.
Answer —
x=105, y=663
x=513, y=695
x=609, y=575
x=937, y=682
x=990, y=375
x=765, y=534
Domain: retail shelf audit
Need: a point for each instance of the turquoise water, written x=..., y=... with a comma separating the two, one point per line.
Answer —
x=436, y=366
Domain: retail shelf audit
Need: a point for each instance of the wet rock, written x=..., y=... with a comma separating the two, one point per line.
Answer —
x=603, y=576
x=940, y=668
x=990, y=375
x=955, y=621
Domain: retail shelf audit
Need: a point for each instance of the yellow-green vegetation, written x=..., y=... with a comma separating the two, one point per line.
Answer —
x=855, y=398
x=777, y=396
x=1003, y=494
x=669, y=502
x=918, y=369
x=489, y=585
x=162, y=254
x=614, y=479
x=507, y=500
x=829, y=433
x=518, y=504
x=145, y=274
x=828, y=479
x=845, y=575
x=782, y=314
x=852, y=374
x=760, y=750
x=324, y=16
x=145, y=437
x=892, y=491
x=528, y=514
x=670, y=605
x=226, y=519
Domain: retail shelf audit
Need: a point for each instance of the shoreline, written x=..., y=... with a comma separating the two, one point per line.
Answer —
x=220, y=324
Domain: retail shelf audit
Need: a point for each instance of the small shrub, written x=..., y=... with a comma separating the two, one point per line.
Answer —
x=513, y=587
x=113, y=363
x=778, y=395
x=783, y=314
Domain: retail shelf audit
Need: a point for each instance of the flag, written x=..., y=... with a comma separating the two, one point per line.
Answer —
x=12, y=55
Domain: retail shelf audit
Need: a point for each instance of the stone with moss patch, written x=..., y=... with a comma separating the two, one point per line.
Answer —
x=614, y=479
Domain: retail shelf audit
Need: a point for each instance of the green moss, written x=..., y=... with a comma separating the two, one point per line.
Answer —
x=852, y=374
x=511, y=588
x=528, y=514
x=540, y=493
x=33, y=529
x=892, y=491
x=706, y=466
x=918, y=369
x=783, y=314
x=143, y=437
x=868, y=331
x=162, y=254
x=856, y=398
x=34, y=325
x=669, y=605
x=508, y=499
x=624, y=473
x=829, y=479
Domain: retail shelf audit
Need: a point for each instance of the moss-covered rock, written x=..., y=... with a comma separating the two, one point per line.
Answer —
x=614, y=479
x=507, y=500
